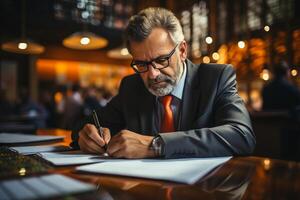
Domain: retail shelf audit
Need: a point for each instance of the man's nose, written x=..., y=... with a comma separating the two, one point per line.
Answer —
x=152, y=72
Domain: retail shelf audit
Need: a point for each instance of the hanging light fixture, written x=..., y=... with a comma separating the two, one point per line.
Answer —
x=85, y=41
x=119, y=53
x=23, y=45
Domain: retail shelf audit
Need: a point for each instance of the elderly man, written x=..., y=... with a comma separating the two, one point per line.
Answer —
x=170, y=107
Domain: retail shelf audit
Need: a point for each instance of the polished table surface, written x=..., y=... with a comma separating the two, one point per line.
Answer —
x=239, y=178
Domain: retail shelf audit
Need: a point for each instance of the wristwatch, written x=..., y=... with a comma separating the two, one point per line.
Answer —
x=157, y=145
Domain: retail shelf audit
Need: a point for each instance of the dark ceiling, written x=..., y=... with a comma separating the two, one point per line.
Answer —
x=41, y=25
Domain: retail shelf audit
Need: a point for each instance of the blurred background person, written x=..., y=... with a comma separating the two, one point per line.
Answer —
x=280, y=94
x=91, y=101
x=6, y=107
x=73, y=108
x=31, y=109
x=46, y=99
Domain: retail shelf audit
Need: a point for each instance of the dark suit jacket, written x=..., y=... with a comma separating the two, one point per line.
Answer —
x=214, y=120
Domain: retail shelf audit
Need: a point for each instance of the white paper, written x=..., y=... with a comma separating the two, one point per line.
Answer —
x=28, y=150
x=187, y=170
x=72, y=158
x=18, y=138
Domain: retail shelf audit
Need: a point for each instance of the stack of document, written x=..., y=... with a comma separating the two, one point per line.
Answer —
x=42, y=187
x=29, y=150
x=13, y=139
x=72, y=158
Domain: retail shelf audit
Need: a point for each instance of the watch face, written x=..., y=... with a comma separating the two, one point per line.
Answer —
x=157, y=145
x=157, y=142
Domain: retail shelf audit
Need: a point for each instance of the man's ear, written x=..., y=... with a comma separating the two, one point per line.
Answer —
x=183, y=50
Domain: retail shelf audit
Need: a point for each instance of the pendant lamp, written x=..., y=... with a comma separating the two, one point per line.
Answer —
x=119, y=53
x=23, y=45
x=85, y=41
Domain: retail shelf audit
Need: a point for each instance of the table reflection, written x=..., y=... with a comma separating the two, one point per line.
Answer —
x=229, y=181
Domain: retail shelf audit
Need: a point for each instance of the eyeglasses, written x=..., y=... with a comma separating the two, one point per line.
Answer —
x=160, y=62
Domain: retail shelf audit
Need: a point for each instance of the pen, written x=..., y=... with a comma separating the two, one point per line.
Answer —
x=99, y=128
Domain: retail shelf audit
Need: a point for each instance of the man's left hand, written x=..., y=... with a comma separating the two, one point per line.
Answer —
x=128, y=144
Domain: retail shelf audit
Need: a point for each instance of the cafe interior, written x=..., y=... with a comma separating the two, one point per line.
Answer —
x=61, y=59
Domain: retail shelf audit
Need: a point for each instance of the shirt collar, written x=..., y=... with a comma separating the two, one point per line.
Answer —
x=178, y=90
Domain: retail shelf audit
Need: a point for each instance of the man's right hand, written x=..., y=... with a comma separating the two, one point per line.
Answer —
x=90, y=141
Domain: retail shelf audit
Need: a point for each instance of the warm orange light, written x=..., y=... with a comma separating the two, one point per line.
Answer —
x=223, y=53
x=241, y=44
x=267, y=164
x=85, y=40
x=124, y=52
x=119, y=53
x=58, y=96
x=84, y=73
x=206, y=59
x=265, y=75
x=208, y=40
x=294, y=72
x=267, y=28
x=215, y=56
x=22, y=171
x=22, y=45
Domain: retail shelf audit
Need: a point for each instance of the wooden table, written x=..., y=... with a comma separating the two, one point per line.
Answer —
x=239, y=178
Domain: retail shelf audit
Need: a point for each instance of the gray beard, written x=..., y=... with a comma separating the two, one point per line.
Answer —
x=171, y=83
x=162, y=91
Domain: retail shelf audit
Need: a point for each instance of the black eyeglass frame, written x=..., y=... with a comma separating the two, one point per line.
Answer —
x=151, y=62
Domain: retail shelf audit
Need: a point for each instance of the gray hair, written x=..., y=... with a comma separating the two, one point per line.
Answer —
x=141, y=25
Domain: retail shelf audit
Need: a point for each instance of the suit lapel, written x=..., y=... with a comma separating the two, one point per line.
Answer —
x=190, y=97
x=146, y=106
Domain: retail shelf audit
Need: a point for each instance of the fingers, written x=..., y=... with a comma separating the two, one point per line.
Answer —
x=118, y=154
x=91, y=131
x=89, y=146
x=107, y=135
x=119, y=144
x=127, y=144
x=90, y=141
x=124, y=149
x=114, y=145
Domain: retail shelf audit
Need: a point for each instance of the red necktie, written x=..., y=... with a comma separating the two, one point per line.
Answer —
x=167, y=124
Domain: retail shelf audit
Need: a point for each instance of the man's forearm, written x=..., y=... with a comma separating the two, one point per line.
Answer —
x=223, y=140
